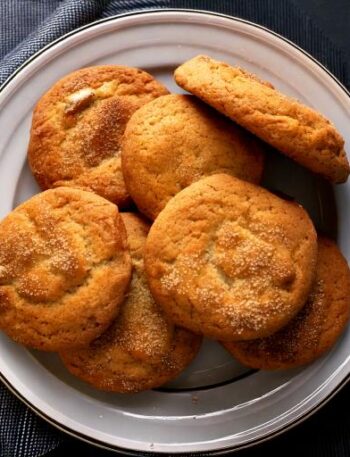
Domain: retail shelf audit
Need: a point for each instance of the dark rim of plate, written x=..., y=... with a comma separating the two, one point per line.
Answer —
x=126, y=451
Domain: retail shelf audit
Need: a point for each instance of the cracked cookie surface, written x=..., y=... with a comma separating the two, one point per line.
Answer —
x=142, y=349
x=78, y=124
x=64, y=269
x=296, y=130
x=316, y=327
x=229, y=260
x=174, y=141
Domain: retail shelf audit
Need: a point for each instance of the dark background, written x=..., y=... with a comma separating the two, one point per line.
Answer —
x=333, y=17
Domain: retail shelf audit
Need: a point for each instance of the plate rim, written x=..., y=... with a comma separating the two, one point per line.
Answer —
x=160, y=10
x=95, y=441
x=223, y=451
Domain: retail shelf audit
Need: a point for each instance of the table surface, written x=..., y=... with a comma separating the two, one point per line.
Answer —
x=326, y=433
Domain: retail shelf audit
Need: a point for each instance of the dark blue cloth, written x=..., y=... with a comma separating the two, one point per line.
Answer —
x=28, y=25
x=42, y=21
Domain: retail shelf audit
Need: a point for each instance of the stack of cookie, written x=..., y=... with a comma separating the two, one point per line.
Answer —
x=126, y=300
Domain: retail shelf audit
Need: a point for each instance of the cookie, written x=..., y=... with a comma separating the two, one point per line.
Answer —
x=142, y=349
x=77, y=128
x=229, y=260
x=317, y=326
x=296, y=130
x=174, y=141
x=64, y=269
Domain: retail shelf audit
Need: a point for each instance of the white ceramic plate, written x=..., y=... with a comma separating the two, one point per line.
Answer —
x=217, y=405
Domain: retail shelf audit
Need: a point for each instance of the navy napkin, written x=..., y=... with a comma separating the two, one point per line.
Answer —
x=28, y=25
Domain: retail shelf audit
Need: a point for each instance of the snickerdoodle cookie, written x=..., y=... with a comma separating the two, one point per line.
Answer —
x=64, y=269
x=295, y=129
x=230, y=260
x=78, y=125
x=174, y=141
x=316, y=327
x=142, y=349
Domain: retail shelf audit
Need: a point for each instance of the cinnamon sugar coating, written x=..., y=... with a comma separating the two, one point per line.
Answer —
x=142, y=349
x=315, y=329
x=78, y=124
x=64, y=269
x=229, y=260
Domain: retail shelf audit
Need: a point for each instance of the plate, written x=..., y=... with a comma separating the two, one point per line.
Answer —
x=216, y=406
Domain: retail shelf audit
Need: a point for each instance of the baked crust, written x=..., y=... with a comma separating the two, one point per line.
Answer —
x=64, y=269
x=296, y=130
x=142, y=349
x=78, y=125
x=317, y=326
x=229, y=260
x=174, y=141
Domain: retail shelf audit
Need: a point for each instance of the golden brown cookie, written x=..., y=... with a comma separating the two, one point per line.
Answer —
x=230, y=260
x=316, y=327
x=295, y=129
x=64, y=269
x=175, y=140
x=78, y=125
x=142, y=349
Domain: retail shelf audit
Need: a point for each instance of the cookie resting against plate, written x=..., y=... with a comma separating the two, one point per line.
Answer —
x=174, y=141
x=315, y=329
x=64, y=269
x=229, y=260
x=296, y=130
x=78, y=124
x=142, y=349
